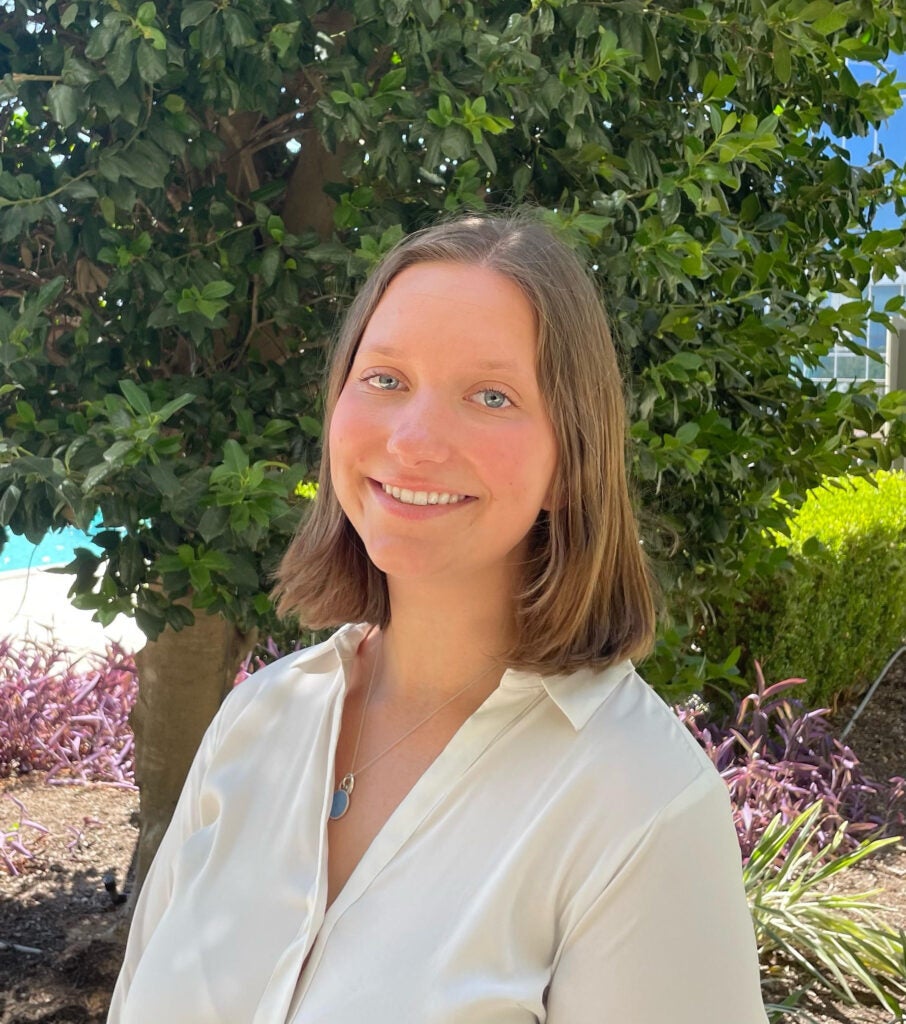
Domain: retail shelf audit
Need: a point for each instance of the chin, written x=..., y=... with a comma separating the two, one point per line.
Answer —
x=408, y=568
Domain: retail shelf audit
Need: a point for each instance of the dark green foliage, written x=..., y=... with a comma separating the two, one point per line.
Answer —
x=171, y=267
x=838, y=612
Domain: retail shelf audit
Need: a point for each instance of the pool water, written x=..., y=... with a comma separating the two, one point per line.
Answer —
x=57, y=548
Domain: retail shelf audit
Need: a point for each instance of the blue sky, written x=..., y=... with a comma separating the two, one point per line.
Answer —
x=891, y=136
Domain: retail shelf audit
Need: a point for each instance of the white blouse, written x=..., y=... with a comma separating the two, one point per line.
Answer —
x=569, y=857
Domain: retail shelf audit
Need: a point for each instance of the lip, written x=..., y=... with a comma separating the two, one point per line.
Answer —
x=397, y=508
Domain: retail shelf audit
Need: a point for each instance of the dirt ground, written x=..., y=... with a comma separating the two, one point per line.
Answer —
x=61, y=933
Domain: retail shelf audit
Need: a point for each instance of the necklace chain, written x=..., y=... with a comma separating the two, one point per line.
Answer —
x=344, y=790
x=358, y=739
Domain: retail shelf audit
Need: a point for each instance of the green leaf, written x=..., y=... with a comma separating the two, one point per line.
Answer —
x=813, y=10
x=831, y=22
x=282, y=37
x=9, y=501
x=310, y=426
x=217, y=289
x=135, y=396
x=152, y=63
x=782, y=59
x=141, y=246
x=269, y=265
x=146, y=13
x=104, y=35
x=195, y=13
x=209, y=308
x=718, y=87
x=651, y=54
x=117, y=452
x=63, y=101
x=77, y=72
x=48, y=293
x=239, y=26
x=145, y=164
x=158, y=40
x=200, y=576
x=485, y=152
x=164, y=479
x=276, y=229
x=687, y=433
x=234, y=457
x=174, y=405
x=212, y=524
x=119, y=63
x=392, y=80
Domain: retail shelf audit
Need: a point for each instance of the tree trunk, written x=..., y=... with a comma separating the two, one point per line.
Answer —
x=182, y=679
x=308, y=207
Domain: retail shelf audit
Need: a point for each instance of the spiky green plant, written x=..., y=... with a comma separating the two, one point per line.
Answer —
x=788, y=1013
x=839, y=939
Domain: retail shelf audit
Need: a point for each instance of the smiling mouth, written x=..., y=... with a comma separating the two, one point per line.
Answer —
x=407, y=497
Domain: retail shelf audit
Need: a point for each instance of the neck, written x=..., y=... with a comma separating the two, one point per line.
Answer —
x=438, y=640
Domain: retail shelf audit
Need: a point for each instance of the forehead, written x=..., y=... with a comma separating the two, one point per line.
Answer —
x=453, y=302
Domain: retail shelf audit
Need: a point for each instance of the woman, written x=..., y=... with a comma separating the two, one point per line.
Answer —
x=469, y=808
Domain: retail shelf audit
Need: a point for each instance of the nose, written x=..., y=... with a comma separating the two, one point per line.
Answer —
x=420, y=431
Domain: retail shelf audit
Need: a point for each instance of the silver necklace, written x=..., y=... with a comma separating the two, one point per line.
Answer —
x=343, y=793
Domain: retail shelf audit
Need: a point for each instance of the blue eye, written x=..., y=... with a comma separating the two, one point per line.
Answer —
x=494, y=399
x=383, y=381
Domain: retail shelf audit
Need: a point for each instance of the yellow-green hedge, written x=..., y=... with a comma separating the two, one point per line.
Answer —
x=839, y=613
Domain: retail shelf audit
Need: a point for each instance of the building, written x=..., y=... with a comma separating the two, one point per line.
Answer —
x=888, y=370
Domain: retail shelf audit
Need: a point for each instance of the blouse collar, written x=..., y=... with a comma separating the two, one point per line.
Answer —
x=578, y=695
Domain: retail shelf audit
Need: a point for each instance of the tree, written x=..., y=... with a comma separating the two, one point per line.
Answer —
x=190, y=192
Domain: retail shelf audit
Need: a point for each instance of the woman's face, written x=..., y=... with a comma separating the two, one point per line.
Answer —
x=441, y=449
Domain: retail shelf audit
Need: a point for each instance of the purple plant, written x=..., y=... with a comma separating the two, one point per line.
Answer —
x=78, y=833
x=263, y=654
x=779, y=758
x=13, y=850
x=66, y=715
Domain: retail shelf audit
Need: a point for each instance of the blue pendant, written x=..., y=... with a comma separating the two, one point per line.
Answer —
x=340, y=803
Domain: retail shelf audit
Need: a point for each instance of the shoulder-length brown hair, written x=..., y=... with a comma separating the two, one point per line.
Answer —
x=586, y=598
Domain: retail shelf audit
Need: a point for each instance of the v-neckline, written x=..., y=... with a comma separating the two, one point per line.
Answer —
x=477, y=733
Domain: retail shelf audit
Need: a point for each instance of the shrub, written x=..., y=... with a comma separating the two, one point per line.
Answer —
x=805, y=812
x=837, y=938
x=837, y=612
x=778, y=759
x=64, y=714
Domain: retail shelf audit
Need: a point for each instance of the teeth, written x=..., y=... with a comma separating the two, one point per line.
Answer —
x=408, y=497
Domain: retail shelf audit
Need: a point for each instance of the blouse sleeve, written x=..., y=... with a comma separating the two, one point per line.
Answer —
x=670, y=938
x=155, y=892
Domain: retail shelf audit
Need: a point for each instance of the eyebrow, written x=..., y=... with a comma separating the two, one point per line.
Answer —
x=389, y=352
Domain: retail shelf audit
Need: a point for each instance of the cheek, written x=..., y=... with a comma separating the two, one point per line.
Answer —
x=347, y=430
x=523, y=465
x=343, y=449
x=543, y=469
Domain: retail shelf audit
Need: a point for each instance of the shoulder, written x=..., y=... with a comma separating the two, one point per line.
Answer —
x=298, y=681
x=635, y=746
x=656, y=731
